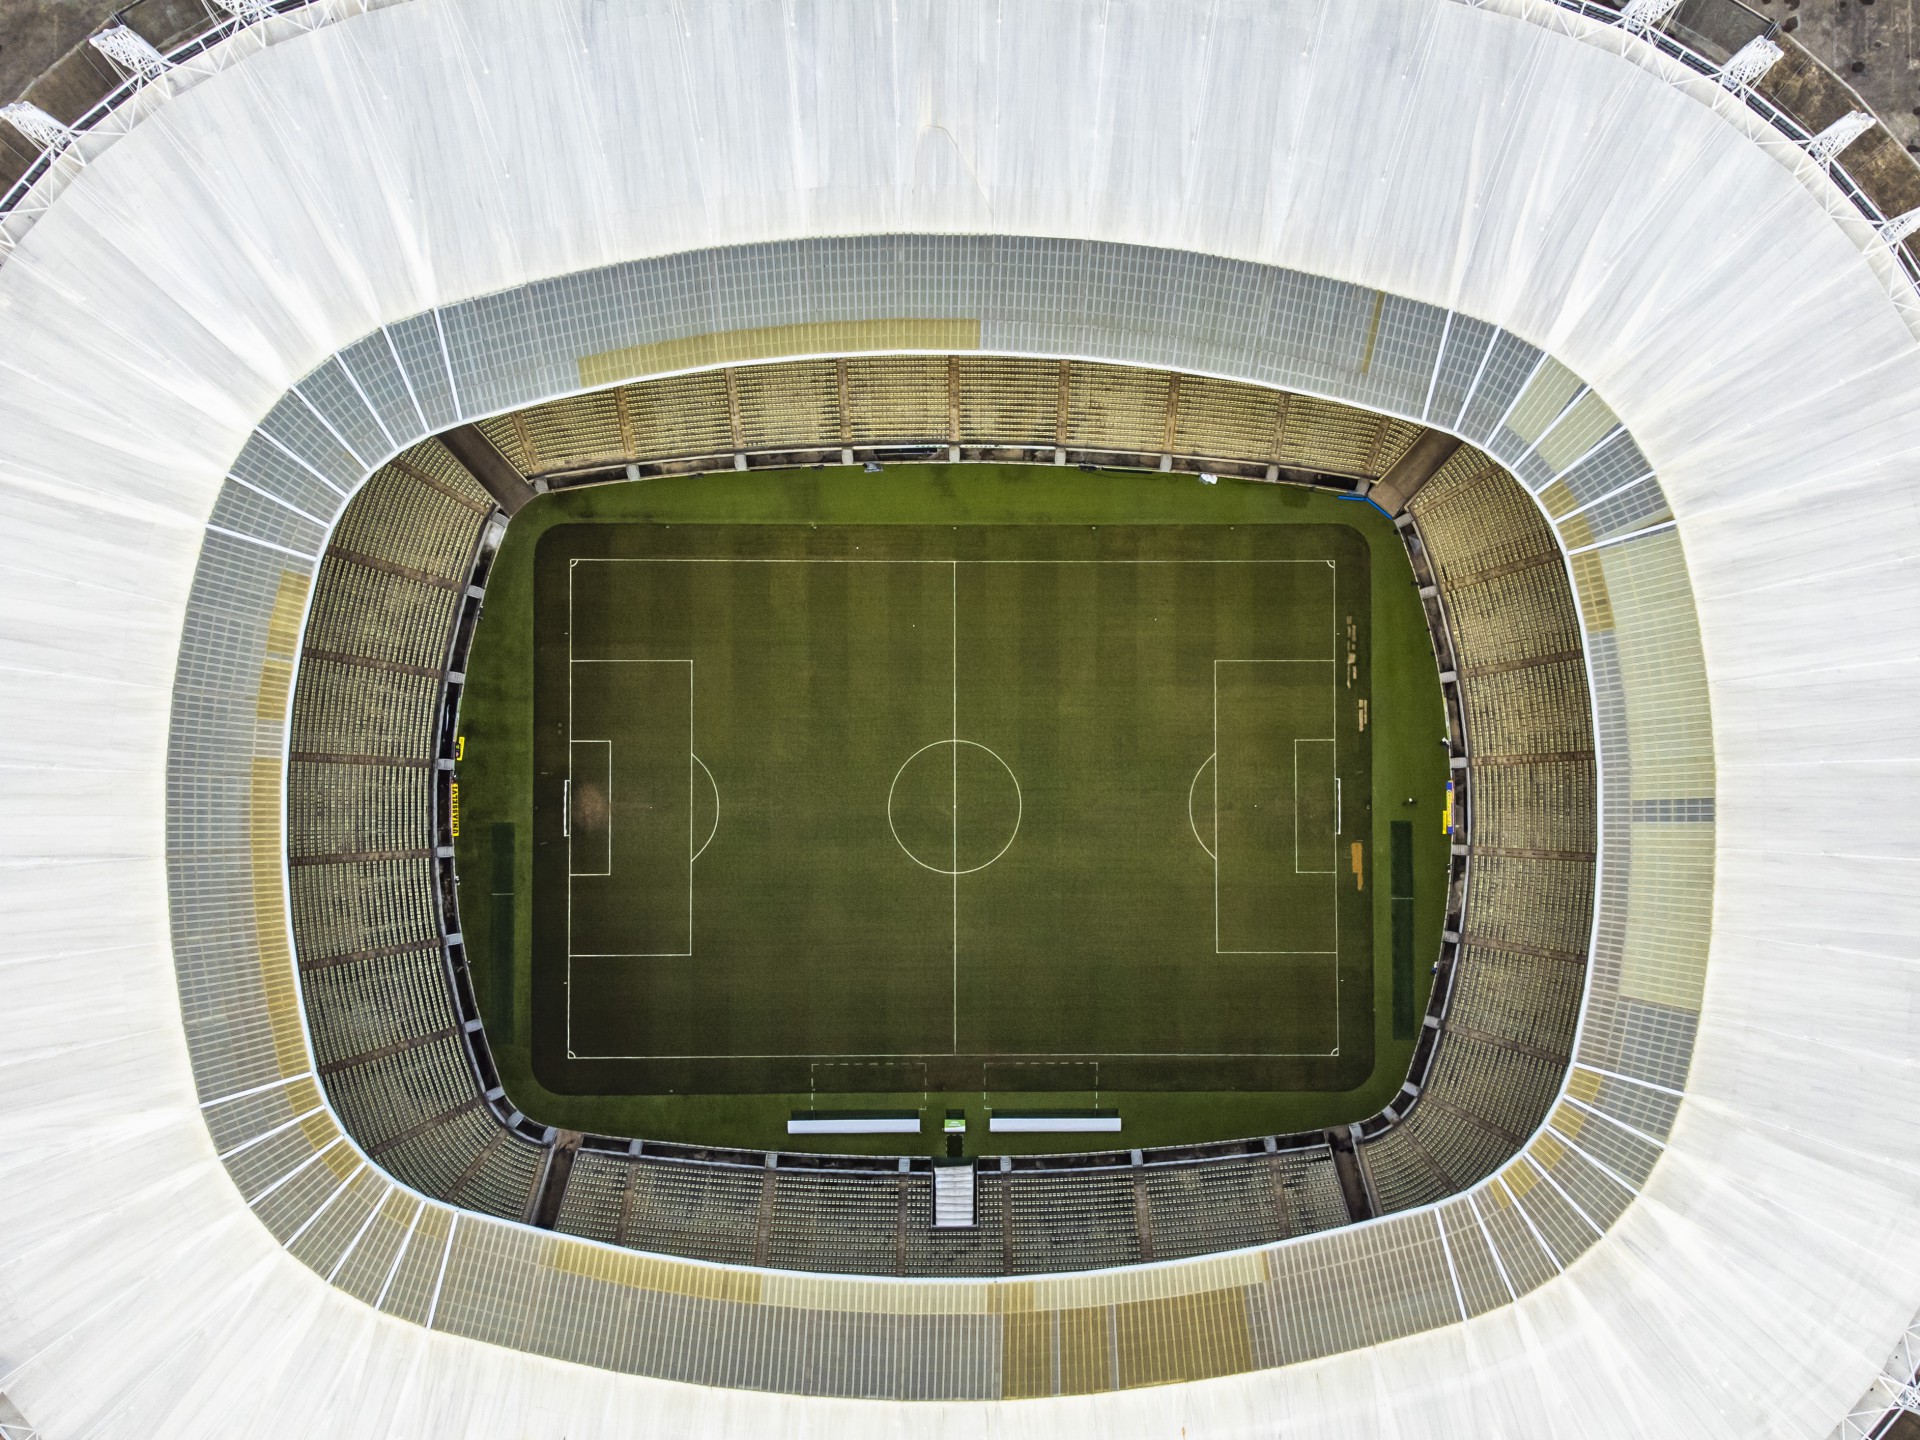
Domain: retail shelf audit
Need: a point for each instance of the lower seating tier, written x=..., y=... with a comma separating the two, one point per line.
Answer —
x=880, y=1222
x=1530, y=905
x=965, y=399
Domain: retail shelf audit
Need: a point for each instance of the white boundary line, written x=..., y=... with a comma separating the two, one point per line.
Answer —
x=856, y=560
x=1080, y=1057
x=715, y=828
x=1036, y=1057
x=1194, y=824
x=1333, y=729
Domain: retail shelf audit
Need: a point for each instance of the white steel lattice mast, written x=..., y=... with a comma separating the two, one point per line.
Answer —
x=1642, y=17
x=1825, y=147
x=1751, y=61
x=248, y=12
x=1900, y=226
x=37, y=125
x=131, y=54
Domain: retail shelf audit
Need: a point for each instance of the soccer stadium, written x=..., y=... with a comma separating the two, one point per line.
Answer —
x=1133, y=718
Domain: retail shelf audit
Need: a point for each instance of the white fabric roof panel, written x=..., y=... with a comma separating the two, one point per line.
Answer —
x=425, y=153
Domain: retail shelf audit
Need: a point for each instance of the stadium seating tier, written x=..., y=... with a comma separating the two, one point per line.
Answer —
x=383, y=1018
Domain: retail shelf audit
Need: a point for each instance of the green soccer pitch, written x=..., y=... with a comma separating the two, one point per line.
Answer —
x=970, y=787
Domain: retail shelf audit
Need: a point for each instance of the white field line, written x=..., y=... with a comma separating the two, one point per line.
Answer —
x=839, y=1057
x=1019, y=796
x=1194, y=825
x=1038, y=1057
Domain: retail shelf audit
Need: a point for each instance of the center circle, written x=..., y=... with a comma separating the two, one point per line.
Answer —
x=954, y=807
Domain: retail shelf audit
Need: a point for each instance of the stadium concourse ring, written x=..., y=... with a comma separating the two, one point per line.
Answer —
x=1604, y=312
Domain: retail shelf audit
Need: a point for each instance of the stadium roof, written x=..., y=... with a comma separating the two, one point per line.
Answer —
x=284, y=195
